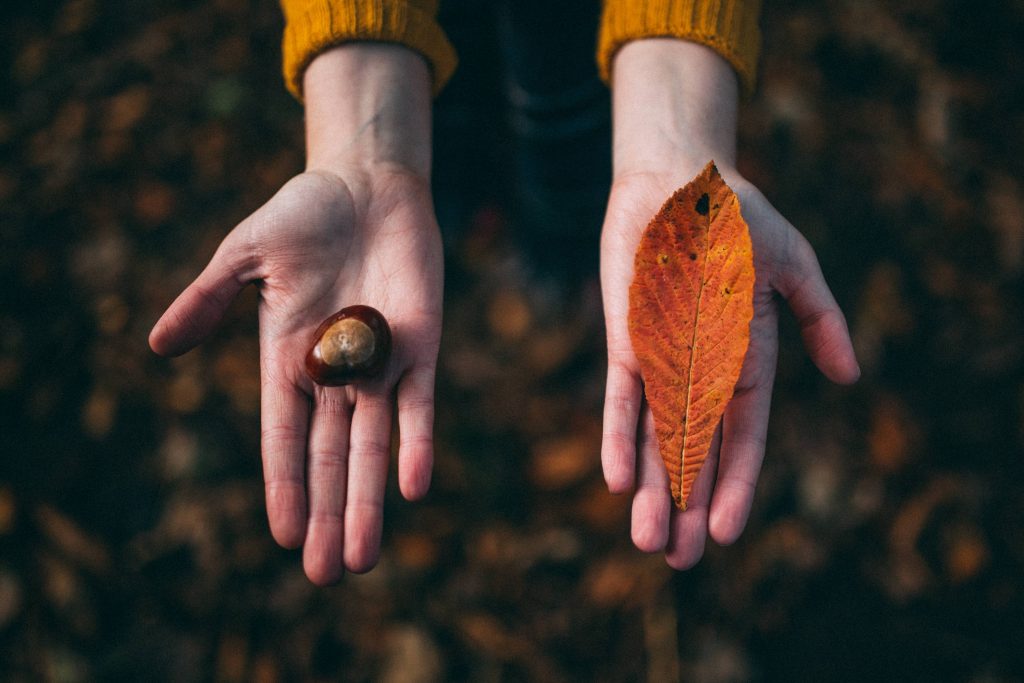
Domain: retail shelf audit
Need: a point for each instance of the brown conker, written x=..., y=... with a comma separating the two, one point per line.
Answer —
x=352, y=344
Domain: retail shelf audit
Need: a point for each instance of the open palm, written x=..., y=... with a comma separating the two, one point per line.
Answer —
x=785, y=264
x=320, y=244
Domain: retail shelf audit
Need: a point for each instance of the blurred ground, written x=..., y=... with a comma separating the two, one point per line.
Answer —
x=887, y=536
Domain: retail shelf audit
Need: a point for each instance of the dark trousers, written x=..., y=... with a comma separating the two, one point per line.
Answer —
x=525, y=124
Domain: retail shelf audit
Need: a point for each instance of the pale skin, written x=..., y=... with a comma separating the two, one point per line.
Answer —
x=358, y=227
x=674, y=109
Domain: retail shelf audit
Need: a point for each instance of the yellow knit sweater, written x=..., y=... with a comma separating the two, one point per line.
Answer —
x=727, y=26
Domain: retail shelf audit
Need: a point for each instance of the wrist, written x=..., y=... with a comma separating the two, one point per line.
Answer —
x=674, y=108
x=368, y=108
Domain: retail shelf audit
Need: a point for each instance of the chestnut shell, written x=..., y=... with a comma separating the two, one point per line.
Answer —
x=351, y=345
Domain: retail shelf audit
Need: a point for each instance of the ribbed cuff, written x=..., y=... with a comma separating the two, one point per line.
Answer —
x=727, y=26
x=313, y=26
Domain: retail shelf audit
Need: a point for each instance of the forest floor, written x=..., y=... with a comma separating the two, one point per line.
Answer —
x=887, y=536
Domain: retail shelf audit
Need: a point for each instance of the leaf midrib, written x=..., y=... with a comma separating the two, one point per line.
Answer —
x=693, y=353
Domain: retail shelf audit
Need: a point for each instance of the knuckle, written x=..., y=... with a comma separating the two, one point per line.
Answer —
x=621, y=403
x=369, y=450
x=737, y=484
x=327, y=516
x=281, y=437
x=332, y=401
x=328, y=460
x=417, y=404
x=618, y=443
x=417, y=442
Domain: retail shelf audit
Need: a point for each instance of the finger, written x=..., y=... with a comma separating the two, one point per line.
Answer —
x=327, y=482
x=416, y=427
x=689, y=528
x=284, y=421
x=367, y=473
x=199, y=309
x=652, y=500
x=621, y=413
x=744, y=431
x=822, y=324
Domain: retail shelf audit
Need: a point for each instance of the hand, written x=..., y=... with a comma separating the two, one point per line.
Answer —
x=675, y=109
x=356, y=228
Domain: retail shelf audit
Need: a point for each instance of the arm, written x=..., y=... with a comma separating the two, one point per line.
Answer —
x=674, y=108
x=356, y=227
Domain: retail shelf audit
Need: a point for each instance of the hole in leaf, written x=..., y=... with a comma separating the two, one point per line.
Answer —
x=703, y=204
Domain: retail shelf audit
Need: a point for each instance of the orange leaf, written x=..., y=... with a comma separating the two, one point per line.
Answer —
x=690, y=307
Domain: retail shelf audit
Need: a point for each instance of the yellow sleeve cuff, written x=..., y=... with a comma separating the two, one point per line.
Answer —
x=727, y=26
x=312, y=26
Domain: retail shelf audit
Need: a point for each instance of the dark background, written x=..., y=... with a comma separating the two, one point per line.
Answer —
x=887, y=536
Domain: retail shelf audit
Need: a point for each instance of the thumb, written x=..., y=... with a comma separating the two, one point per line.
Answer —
x=822, y=324
x=199, y=309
